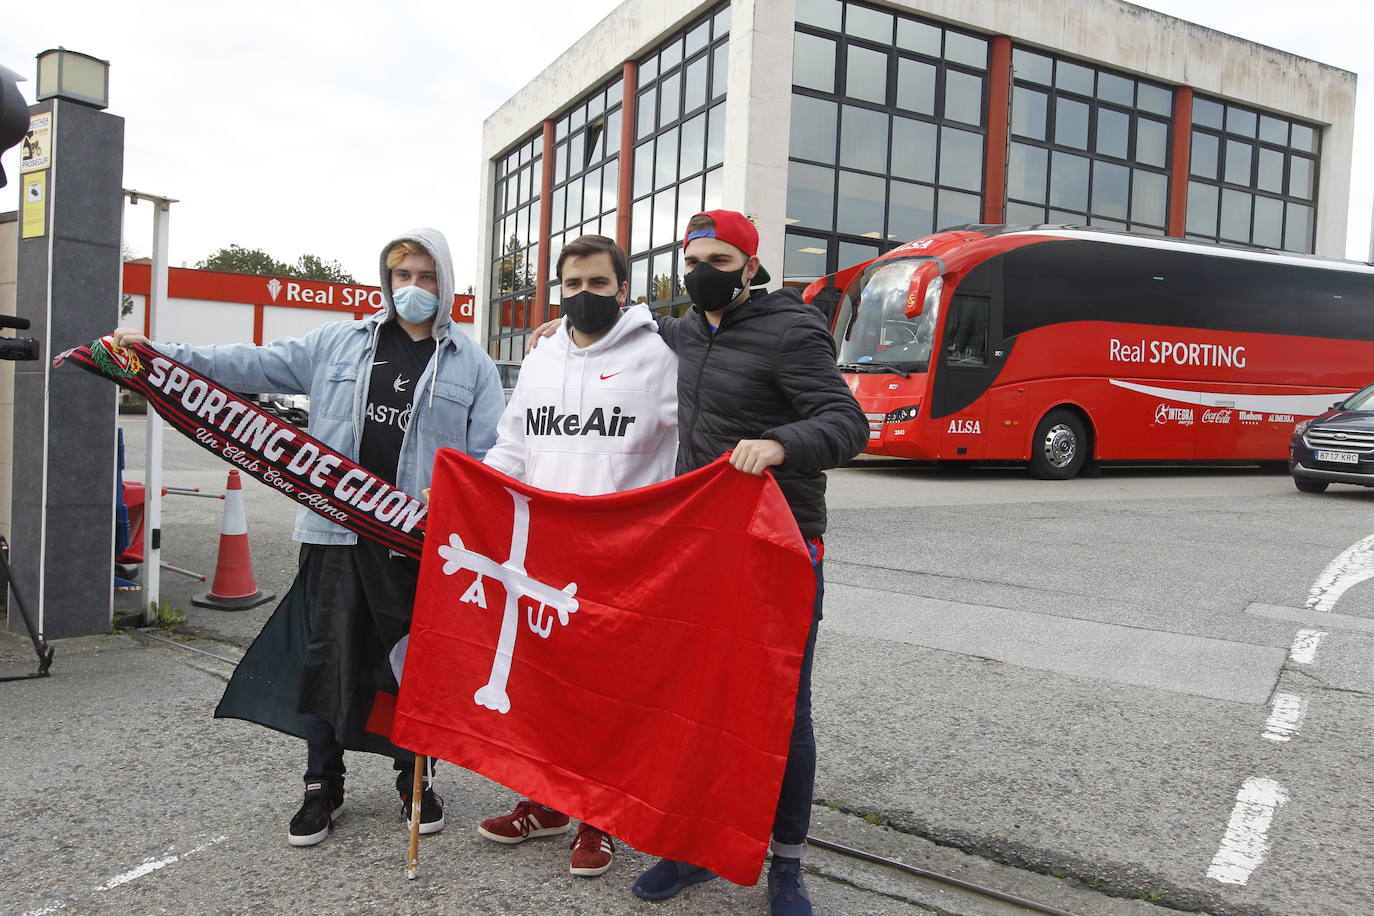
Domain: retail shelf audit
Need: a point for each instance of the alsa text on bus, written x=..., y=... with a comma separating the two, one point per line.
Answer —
x=1178, y=352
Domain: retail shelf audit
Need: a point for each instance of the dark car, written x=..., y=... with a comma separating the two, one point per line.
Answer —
x=1336, y=447
x=509, y=371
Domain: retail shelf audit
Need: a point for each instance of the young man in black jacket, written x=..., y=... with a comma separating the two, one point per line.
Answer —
x=757, y=374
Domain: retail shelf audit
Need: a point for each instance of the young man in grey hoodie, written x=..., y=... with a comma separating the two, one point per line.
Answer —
x=386, y=392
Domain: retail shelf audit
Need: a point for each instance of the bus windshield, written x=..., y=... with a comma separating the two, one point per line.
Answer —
x=872, y=329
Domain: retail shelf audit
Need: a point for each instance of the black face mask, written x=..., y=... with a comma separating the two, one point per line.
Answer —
x=590, y=313
x=711, y=289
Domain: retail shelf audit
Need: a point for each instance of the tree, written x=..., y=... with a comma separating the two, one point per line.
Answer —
x=239, y=260
x=514, y=275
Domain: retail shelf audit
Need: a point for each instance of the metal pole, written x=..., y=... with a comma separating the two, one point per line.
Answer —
x=152, y=486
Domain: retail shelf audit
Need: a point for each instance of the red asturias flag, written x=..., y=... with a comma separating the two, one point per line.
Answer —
x=629, y=659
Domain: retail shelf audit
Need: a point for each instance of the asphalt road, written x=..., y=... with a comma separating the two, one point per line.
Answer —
x=1111, y=683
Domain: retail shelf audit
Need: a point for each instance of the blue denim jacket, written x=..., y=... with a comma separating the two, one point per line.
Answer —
x=457, y=401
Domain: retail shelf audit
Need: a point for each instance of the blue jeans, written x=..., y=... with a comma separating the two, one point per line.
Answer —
x=793, y=817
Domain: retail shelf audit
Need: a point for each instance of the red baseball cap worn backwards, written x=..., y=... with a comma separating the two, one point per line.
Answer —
x=733, y=228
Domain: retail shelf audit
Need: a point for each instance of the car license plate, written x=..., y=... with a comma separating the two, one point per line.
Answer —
x=1340, y=457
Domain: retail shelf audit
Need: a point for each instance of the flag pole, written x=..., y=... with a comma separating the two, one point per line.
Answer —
x=416, y=797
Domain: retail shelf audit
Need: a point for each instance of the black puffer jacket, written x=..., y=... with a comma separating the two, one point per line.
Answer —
x=768, y=373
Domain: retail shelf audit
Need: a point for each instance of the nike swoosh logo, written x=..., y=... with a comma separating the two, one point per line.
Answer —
x=612, y=375
x=380, y=362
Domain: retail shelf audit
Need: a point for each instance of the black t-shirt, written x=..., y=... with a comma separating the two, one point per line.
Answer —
x=397, y=365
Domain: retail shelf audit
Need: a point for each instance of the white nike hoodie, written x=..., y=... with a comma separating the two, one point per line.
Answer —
x=596, y=419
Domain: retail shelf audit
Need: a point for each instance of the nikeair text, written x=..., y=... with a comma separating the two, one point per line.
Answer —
x=547, y=421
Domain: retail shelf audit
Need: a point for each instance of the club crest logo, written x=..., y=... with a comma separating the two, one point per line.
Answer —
x=518, y=584
x=274, y=288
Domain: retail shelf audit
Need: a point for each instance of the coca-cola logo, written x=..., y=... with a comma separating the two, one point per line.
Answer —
x=1216, y=416
x=1167, y=413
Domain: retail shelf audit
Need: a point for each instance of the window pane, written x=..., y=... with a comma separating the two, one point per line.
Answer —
x=1113, y=132
x=813, y=62
x=810, y=196
x=574, y=202
x=1023, y=214
x=963, y=97
x=958, y=209
x=913, y=149
x=804, y=257
x=720, y=70
x=915, y=86
x=1069, y=181
x=661, y=277
x=557, y=217
x=1149, y=197
x=665, y=165
x=866, y=23
x=1238, y=156
x=1207, y=113
x=813, y=129
x=1304, y=138
x=1270, y=177
x=1073, y=78
x=910, y=211
x=591, y=193
x=1151, y=142
x=610, y=185
x=1240, y=122
x=966, y=49
x=1202, y=209
x=1235, y=215
x=961, y=159
x=688, y=202
x=697, y=38
x=1205, y=152
x=645, y=117
x=824, y=13
x=644, y=169
x=641, y=225
x=860, y=205
x=671, y=56
x=669, y=99
x=715, y=135
x=694, y=89
x=665, y=217
x=918, y=37
x=1300, y=177
x=863, y=139
x=1273, y=130
x=1268, y=222
x=866, y=75
x=1032, y=67
x=1113, y=88
x=1297, y=231
x=715, y=194
x=1070, y=123
x=1027, y=172
x=1029, y=111
x=693, y=144
x=1154, y=99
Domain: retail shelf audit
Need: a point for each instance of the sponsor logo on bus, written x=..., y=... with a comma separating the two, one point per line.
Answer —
x=1177, y=352
x=1216, y=416
x=965, y=426
x=1166, y=413
x=1250, y=418
x=1281, y=418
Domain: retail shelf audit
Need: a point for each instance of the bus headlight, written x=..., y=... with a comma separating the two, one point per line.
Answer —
x=902, y=414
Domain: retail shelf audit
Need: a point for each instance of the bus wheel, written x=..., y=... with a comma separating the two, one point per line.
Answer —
x=1060, y=447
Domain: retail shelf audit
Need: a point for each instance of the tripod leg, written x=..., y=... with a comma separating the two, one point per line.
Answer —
x=43, y=650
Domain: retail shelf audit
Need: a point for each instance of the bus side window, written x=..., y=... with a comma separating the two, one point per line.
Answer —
x=966, y=335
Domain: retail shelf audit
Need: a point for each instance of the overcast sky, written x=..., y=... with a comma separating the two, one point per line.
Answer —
x=326, y=127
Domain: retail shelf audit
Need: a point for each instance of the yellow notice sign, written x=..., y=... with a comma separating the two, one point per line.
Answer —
x=35, y=204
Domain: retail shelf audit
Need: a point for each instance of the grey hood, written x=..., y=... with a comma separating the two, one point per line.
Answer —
x=433, y=241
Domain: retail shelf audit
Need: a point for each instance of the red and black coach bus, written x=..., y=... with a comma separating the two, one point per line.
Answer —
x=1058, y=346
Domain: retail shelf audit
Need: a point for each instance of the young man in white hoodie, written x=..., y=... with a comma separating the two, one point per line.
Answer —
x=594, y=411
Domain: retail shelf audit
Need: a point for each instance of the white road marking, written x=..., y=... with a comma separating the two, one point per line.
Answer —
x=1246, y=841
x=153, y=865
x=50, y=908
x=1354, y=565
x=1305, y=643
x=1286, y=717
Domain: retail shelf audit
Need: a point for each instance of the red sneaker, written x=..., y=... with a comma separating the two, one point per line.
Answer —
x=529, y=819
x=592, y=852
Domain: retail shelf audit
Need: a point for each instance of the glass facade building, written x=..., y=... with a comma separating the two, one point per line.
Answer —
x=514, y=248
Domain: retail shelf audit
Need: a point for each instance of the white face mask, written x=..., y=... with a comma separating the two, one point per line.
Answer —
x=415, y=304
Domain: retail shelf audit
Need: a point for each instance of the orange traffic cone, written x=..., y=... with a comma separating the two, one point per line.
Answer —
x=233, y=588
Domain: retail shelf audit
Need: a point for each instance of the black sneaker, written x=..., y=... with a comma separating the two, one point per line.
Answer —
x=787, y=894
x=323, y=803
x=431, y=810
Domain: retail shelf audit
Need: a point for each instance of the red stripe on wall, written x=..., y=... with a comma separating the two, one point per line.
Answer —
x=999, y=130
x=541, y=270
x=257, y=324
x=624, y=191
x=1178, y=161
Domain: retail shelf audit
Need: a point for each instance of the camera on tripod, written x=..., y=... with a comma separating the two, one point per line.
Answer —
x=17, y=348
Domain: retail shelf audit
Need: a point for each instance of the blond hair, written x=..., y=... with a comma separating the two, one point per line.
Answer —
x=397, y=252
